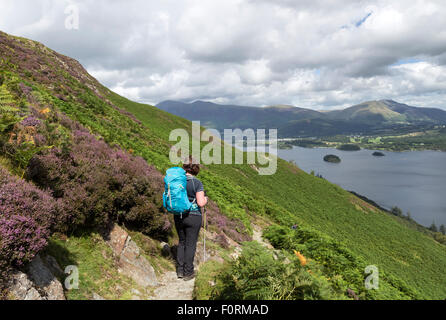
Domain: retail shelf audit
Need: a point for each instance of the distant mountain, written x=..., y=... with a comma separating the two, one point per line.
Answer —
x=367, y=117
x=388, y=111
x=231, y=116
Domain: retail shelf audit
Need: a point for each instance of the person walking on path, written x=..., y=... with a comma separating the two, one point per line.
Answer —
x=188, y=224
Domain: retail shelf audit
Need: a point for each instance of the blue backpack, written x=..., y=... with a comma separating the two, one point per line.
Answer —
x=175, y=198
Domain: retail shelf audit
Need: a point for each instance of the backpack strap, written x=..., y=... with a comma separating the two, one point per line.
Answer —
x=194, y=203
x=195, y=198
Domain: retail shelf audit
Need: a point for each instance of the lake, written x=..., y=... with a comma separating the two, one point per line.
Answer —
x=413, y=181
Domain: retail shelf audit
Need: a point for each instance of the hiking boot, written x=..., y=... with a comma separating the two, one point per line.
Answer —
x=180, y=273
x=188, y=278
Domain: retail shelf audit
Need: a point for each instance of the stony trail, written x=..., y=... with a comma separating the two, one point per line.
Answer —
x=172, y=288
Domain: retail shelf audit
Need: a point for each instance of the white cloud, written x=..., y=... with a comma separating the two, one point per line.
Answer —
x=310, y=53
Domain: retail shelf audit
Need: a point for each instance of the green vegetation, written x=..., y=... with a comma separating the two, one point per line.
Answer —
x=259, y=274
x=349, y=147
x=98, y=272
x=432, y=139
x=9, y=114
x=337, y=262
x=304, y=143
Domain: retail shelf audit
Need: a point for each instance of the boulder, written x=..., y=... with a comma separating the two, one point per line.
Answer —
x=117, y=239
x=21, y=288
x=44, y=280
x=134, y=265
x=130, y=260
x=38, y=283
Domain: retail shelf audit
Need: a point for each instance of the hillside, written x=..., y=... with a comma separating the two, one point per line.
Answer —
x=366, y=118
x=223, y=117
x=90, y=158
x=389, y=111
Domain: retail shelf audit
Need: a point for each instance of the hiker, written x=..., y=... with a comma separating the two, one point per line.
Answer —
x=187, y=222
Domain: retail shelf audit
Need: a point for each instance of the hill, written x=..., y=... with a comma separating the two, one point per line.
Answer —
x=222, y=117
x=389, y=111
x=90, y=158
x=366, y=118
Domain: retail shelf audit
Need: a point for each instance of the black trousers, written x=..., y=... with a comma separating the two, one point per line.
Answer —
x=188, y=227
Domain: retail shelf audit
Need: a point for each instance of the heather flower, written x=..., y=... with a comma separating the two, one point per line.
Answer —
x=98, y=184
x=30, y=122
x=25, y=89
x=27, y=216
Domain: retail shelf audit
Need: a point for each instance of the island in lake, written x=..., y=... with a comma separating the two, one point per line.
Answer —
x=332, y=158
x=378, y=154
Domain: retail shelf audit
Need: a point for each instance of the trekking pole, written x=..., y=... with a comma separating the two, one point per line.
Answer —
x=204, y=237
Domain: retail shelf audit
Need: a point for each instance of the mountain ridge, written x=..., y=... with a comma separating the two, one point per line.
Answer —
x=293, y=121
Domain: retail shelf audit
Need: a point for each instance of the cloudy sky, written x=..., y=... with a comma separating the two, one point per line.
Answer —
x=321, y=54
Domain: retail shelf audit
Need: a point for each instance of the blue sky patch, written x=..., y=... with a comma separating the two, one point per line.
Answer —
x=406, y=61
x=360, y=22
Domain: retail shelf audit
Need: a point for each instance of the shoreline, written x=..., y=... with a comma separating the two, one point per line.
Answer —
x=387, y=150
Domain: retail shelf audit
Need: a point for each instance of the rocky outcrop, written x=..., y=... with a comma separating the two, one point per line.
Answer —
x=21, y=288
x=39, y=281
x=130, y=260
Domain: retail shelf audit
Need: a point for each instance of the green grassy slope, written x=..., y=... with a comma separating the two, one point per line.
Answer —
x=293, y=196
x=290, y=196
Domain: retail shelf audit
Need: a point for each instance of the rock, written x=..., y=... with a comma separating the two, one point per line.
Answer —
x=54, y=267
x=97, y=297
x=134, y=265
x=230, y=242
x=237, y=252
x=131, y=263
x=44, y=279
x=117, y=239
x=136, y=292
x=39, y=283
x=21, y=288
x=172, y=288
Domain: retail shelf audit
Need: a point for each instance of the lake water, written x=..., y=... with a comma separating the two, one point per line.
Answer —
x=413, y=181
